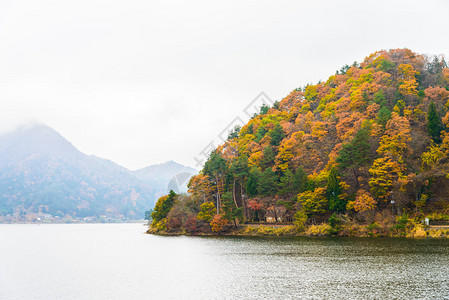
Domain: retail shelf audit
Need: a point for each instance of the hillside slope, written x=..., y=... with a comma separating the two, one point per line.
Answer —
x=370, y=140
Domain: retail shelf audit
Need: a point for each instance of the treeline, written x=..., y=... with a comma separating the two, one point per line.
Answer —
x=369, y=143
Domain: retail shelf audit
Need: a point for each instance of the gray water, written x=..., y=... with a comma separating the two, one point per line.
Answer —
x=118, y=261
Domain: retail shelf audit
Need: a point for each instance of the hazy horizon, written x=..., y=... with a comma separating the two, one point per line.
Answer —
x=34, y=124
x=141, y=83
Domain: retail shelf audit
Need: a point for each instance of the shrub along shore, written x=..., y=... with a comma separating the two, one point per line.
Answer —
x=401, y=227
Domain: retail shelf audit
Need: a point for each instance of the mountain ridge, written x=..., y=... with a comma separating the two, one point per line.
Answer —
x=41, y=170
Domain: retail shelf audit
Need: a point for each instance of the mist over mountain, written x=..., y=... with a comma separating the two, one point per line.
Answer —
x=175, y=176
x=42, y=172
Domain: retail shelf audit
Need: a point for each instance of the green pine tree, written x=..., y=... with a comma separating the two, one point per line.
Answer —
x=277, y=135
x=356, y=153
x=333, y=192
x=268, y=183
x=252, y=183
x=434, y=124
x=268, y=158
x=383, y=116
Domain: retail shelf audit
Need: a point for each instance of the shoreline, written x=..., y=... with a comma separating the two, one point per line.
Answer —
x=143, y=222
x=323, y=230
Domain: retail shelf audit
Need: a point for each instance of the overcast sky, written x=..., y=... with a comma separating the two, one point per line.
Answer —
x=143, y=82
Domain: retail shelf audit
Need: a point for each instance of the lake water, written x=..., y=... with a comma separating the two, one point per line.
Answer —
x=119, y=261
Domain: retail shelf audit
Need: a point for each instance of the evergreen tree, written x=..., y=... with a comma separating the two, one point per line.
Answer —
x=264, y=109
x=260, y=133
x=230, y=211
x=434, y=124
x=215, y=165
x=216, y=168
x=386, y=65
x=293, y=183
x=277, y=135
x=267, y=184
x=239, y=167
x=268, y=158
x=300, y=180
x=379, y=97
x=235, y=132
x=356, y=153
x=250, y=129
x=287, y=183
x=252, y=183
x=436, y=66
x=383, y=116
x=333, y=192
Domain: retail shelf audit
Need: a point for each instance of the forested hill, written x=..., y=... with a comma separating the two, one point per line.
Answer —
x=43, y=176
x=371, y=139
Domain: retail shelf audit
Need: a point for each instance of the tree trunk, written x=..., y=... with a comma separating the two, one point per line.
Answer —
x=233, y=194
x=275, y=214
x=245, y=208
x=218, y=205
x=218, y=195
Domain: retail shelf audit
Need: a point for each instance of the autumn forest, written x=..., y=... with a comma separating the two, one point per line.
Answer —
x=364, y=153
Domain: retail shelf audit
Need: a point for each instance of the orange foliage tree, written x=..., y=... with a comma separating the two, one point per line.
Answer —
x=218, y=223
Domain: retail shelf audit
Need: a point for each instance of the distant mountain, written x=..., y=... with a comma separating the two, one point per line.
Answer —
x=175, y=176
x=41, y=172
